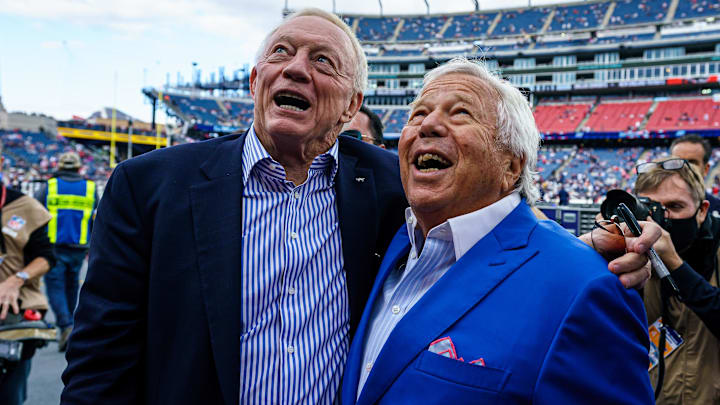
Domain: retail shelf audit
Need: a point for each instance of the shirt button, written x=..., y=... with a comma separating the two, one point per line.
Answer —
x=291, y=349
x=395, y=309
x=291, y=290
x=296, y=195
x=368, y=367
x=293, y=235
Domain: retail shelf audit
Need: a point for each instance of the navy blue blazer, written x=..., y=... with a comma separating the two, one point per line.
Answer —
x=538, y=306
x=159, y=318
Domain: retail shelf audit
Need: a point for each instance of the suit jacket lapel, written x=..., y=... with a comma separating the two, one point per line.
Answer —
x=357, y=208
x=472, y=278
x=398, y=249
x=216, y=207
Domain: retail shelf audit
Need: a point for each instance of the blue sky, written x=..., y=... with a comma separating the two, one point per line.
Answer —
x=61, y=57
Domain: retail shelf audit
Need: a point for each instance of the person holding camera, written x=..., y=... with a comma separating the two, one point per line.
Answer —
x=674, y=192
x=26, y=255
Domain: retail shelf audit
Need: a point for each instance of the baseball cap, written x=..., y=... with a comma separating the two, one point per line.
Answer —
x=69, y=160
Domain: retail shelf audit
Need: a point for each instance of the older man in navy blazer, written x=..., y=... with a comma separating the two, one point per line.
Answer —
x=478, y=302
x=236, y=270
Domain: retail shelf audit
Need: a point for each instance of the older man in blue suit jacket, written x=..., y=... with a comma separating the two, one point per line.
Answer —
x=476, y=301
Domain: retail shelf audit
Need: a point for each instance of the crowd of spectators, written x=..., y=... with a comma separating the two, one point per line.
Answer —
x=697, y=8
x=578, y=17
x=33, y=157
x=587, y=174
x=376, y=29
x=469, y=26
x=521, y=21
x=639, y=11
x=396, y=121
x=421, y=28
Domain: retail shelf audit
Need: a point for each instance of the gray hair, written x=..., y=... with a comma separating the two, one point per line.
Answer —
x=361, y=68
x=516, y=129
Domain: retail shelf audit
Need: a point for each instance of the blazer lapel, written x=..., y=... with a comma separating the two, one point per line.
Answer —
x=398, y=249
x=472, y=278
x=216, y=207
x=357, y=208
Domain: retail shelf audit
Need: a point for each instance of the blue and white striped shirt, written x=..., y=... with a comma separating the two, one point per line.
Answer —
x=428, y=261
x=295, y=307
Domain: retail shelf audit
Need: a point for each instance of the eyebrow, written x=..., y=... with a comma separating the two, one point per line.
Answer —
x=315, y=47
x=457, y=98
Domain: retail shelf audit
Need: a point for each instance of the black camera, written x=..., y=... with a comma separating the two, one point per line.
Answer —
x=641, y=207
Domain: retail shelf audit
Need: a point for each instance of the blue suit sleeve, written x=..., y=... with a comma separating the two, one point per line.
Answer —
x=106, y=351
x=599, y=354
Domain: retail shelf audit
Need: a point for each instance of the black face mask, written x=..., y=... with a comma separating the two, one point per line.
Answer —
x=683, y=231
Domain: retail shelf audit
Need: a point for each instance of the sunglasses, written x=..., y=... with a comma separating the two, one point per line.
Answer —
x=670, y=164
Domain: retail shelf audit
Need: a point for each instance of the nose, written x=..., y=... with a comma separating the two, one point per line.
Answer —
x=298, y=68
x=433, y=125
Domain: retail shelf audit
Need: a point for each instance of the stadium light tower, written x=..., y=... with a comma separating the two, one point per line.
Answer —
x=381, y=7
x=477, y=5
x=427, y=6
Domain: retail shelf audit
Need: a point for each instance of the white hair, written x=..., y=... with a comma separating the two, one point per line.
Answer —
x=360, y=62
x=516, y=129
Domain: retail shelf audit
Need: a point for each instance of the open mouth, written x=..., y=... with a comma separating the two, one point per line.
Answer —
x=430, y=162
x=291, y=101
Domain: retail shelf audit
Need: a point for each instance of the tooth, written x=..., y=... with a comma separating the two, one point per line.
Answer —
x=290, y=107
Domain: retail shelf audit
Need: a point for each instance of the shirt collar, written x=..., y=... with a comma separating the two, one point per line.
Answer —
x=463, y=231
x=254, y=152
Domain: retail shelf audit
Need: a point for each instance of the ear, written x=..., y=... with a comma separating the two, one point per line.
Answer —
x=355, y=104
x=513, y=169
x=707, y=169
x=703, y=211
x=253, y=81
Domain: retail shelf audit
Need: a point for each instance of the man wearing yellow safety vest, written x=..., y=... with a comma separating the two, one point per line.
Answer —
x=71, y=200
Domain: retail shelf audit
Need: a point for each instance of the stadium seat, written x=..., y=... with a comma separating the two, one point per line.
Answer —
x=396, y=121
x=639, y=11
x=521, y=21
x=613, y=117
x=469, y=26
x=421, y=28
x=698, y=113
x=376, y=29
x=697, y=8
x=560, y=118
x=578, y=17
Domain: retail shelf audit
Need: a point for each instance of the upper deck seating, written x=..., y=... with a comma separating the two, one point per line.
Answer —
x=578, y=17
x=697, y=8
x=376, y=28
x=523, y=21
x=421, y=28
x=469, y=25
x=639, y=11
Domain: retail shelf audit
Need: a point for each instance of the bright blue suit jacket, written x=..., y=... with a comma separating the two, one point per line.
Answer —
x=552, y=324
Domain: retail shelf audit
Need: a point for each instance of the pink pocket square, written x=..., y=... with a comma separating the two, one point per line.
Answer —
x=446, y=348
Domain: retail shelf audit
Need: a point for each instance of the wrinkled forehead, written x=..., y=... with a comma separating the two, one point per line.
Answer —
x=312, y=31
x=464, y=88
x=460, y=87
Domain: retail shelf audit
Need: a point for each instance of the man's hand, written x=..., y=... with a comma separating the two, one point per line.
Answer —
x=666, y=250
x=9, y=293
x=627, y=256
